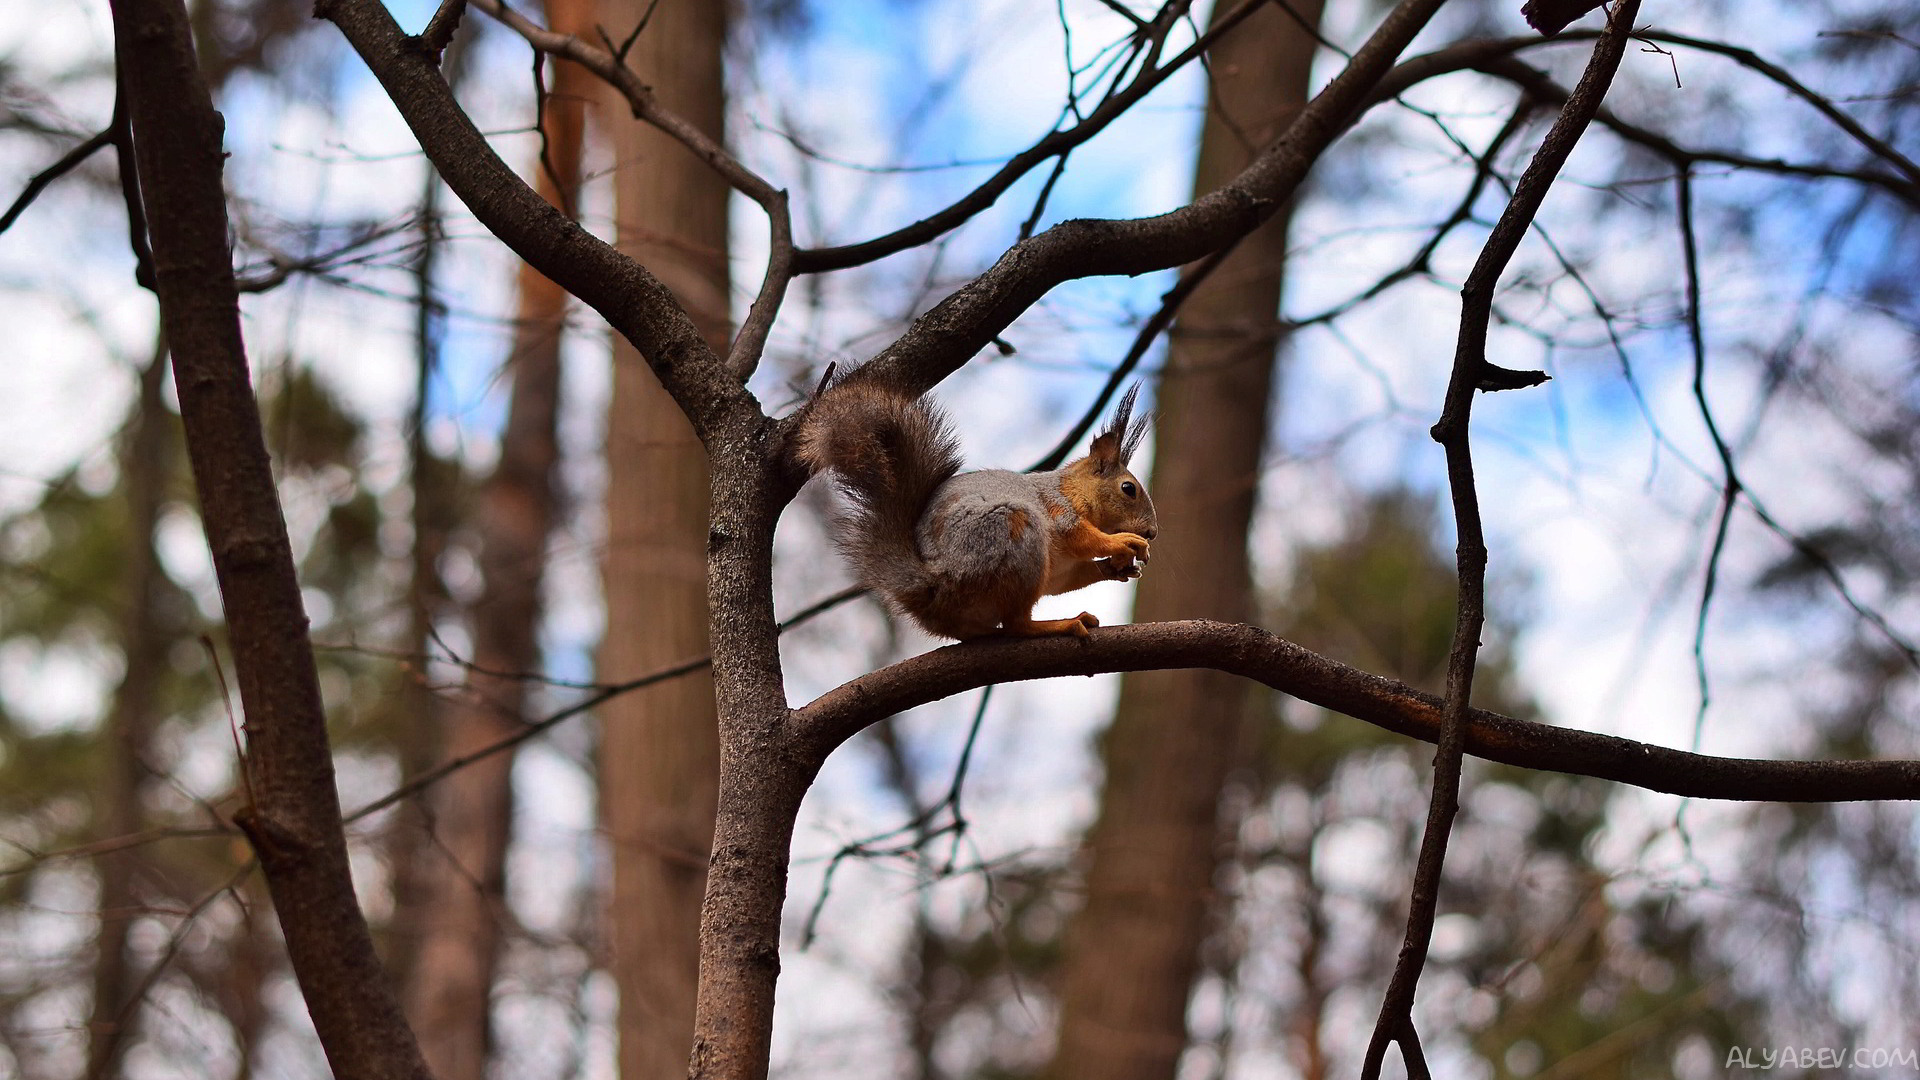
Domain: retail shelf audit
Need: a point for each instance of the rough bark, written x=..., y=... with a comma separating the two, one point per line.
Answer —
x=1133, y=950
x=293, y=816
x=659, y=752
x=449, y=996
x=145, y=460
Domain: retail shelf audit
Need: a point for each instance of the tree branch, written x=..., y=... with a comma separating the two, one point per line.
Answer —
x=836, y=716
x=1497, y=56
x=294, y=819
x=1453, y=432
x=949, y=335
x=630, y=298
x=1056, y=144
x=40, y=180
x=611, y=67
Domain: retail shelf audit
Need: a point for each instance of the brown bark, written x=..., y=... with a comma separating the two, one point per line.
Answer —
x=293, y=818
x=449, y=995
x=817, y=729
x=1133, y=951
x=659, y=752
x=145, y=461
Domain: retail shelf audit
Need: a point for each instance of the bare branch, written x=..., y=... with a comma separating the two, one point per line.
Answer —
x=818, y=260
x=294, y=819
x=1495, y=56
x=949, y=335
x=440, y=29
x=1452, y=432
x=602, y=693
x=40, y=181
x=822, y=725
x=1730, y=486
x=1542, y=86
x=624, y=293
x=1149, y=332
x=610, y=66
x=122, y=128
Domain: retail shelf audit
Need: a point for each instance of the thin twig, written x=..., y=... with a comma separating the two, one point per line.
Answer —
x=130, y=185
x=869, y=847
x=67, y=163
x=1150, y=76
x=1150, y=332
x=1729, y=478
x=605, y=693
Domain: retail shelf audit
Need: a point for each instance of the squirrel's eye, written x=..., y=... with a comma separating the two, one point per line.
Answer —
x=1128, y=489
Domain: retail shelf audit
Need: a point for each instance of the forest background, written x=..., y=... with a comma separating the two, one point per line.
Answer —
x=1701, y=534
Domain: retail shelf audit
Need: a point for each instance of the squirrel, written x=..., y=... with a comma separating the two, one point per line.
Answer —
x=967, y=555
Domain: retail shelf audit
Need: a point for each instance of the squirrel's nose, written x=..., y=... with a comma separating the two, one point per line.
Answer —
x=1148, y=533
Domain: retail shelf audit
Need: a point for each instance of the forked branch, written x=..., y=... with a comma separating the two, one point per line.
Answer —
x=630, y=298
x=610, y=66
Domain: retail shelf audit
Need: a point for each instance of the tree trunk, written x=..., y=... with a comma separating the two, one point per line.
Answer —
x=293, y=812
x=449, y=995
x=659, y=756
x=1133, y=950
x=145, y=462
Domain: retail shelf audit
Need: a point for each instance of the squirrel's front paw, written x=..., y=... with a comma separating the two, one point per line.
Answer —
x=1138, y=548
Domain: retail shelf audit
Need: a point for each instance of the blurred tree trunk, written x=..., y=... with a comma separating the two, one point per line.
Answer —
x=659, y=754
x=449, y=993
x=1133, y=950
x=412, y=706
x=146, y=459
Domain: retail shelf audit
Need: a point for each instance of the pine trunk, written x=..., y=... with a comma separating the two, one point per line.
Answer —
x=1133, y=951
x=145, y=465
x=659, y=756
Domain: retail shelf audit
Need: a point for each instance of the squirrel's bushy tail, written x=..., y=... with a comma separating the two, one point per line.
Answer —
x=889, y=452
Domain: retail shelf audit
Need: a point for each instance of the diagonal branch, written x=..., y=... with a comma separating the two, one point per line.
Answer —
x=1055, y=145
x=1541, y=85
x=1248, y=651
x=40, y=181
x=1497, y=56
x=611, y=67
x=630, y=298
x=949, y=335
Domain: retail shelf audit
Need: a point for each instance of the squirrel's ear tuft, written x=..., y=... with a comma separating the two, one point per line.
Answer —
x=1113, y=447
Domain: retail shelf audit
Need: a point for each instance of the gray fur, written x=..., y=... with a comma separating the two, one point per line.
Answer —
x=889, y=453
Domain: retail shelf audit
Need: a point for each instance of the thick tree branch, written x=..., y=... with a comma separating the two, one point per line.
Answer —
x=632, y=300
x=294, y=820
x=1542, y=86
x=1253, y=653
